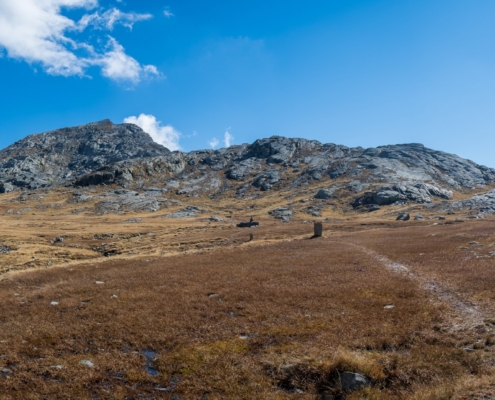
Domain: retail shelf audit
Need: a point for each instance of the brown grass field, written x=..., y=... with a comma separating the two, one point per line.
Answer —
x=191, y=309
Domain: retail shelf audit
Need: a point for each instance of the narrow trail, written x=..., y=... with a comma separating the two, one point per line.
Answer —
x=465, y=314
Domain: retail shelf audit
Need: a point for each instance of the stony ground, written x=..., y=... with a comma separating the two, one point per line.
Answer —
x=177, y=304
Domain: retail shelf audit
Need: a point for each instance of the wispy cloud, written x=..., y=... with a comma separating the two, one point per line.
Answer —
x=227, y=138
x=168, y=13
x=214, y=143
x=164, y=135
x=110, y=18
x=36, y=32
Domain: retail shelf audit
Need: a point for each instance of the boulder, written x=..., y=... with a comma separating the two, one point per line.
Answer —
x=403, y=217
x=282, y=213
x=6, y=187
x=351, y=381
x=329, y=193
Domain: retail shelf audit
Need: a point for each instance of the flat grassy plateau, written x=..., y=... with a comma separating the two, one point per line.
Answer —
x=194, y=309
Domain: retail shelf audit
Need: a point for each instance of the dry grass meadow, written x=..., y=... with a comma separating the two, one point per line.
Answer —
x=191, y=309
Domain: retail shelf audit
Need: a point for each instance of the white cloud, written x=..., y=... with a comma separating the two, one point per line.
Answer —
x=227, y=138
x=164, y=135
x=35, y=31
x=167, y=13
x=116, y=64
x=110, y=18
x=214, y=143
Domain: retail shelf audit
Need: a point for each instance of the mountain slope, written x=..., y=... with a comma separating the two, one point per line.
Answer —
x=124, y=155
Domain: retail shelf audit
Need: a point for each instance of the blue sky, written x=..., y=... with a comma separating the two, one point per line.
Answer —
x=359, y=73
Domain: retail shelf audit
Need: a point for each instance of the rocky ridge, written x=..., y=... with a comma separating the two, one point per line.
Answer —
x=123, y=155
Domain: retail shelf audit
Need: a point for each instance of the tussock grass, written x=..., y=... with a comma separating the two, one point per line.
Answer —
x=264, y=321
x=275, y=318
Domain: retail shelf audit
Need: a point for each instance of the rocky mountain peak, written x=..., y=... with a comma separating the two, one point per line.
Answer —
x=58, y=156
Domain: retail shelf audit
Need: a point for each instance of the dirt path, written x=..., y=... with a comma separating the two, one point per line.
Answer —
x=464, y=314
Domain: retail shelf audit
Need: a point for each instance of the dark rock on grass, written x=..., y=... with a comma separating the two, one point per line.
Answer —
x=351, y=381
x=282, y=213
x=250, y=224
x=5, y=249
x=403, y=217
x=419, y=217
x=329, y=193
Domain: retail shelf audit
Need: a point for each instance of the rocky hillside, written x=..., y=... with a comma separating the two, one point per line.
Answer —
x=123, y=155
x=58, y=157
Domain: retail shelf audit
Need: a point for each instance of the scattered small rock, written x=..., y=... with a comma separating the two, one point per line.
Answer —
x=54, y=303
x=5, y=249
x=419, y=217
x=87, y=363
x=133, y=221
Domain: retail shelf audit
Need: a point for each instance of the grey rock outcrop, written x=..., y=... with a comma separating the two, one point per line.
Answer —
x=404, y=191
x=127, y=200
x=282, y=213
x=186, y=212
x=482, y=203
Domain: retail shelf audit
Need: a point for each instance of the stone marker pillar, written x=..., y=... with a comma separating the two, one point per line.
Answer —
x=318, y=229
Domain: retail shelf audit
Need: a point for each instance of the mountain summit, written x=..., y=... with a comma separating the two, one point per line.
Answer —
x=60, y=156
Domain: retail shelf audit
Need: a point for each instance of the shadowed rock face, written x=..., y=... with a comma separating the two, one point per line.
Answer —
x=106, y=153
x=60, y=156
